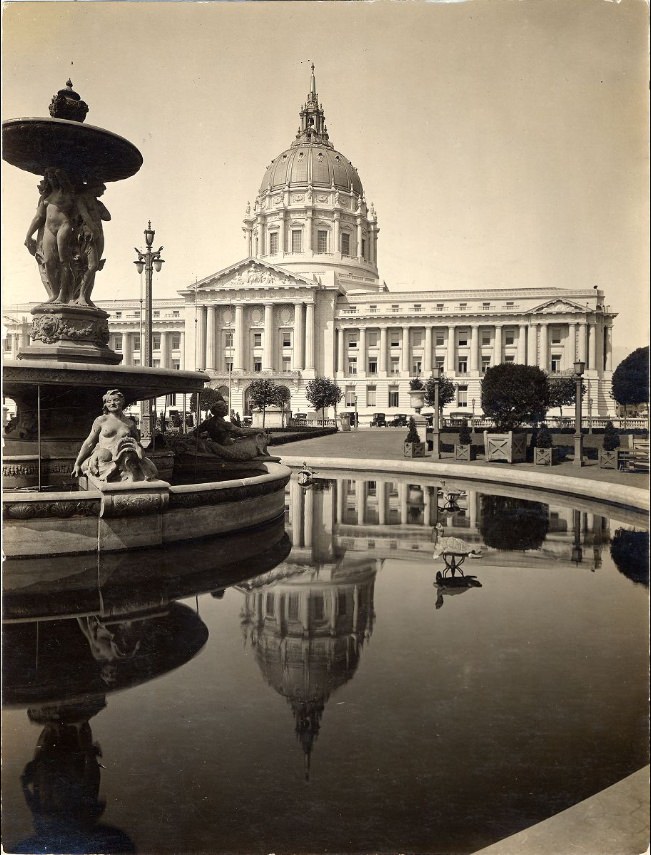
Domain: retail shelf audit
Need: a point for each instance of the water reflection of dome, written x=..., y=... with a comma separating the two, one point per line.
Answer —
x=307, y=628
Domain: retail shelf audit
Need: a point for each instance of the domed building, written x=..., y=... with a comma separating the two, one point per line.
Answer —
x=308, y=301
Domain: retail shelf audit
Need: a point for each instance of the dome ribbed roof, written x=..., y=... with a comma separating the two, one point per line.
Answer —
x=314, y=164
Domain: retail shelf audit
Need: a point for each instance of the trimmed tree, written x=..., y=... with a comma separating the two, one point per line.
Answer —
x=512, y=394
x=446, y=392
x=281, y=399
x=323, y=392
x=208, y=397
x=262, y=393
x=562, y=392
x=611, y=440
x=631, y=379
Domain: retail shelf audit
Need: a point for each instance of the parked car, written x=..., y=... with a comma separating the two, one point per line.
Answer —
x=353, y=418
x=399, y=421
x=300, y=417
x=379, y=420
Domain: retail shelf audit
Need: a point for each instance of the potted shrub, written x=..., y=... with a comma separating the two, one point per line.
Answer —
x=416, y=393
x=544, y=453
x=463, y=448
x=413, y=446
x=609, y=453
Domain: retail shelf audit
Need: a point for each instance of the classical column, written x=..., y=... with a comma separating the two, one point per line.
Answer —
x=592, y=346
x=572, y=352
x=359, y=237
x=532, y=345
x=308, y=518
x=522, y=344
x=309, y=336
x=297, y=350
x=427, y=362
x=383, y=350
x=211, y=316
x=201, y=337
x=341, y=495
x=127, y=349
x=261, y=236
x=182, y=350
x=164, y=350
x=402, y=495
x=497, y=345
x=608, y=344
x=382, y=503
x=451, y=367
x=308, y=231
x=267, y=353
x=474, y=348
x=405, y=367
x=362, y=366
x=583, y=342
x=472, y=500
x=544, y=347
x=238, y=338
x=296, y=494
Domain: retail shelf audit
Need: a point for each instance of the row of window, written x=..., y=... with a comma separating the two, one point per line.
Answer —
x=351, y=398
x=322, y=242
x=438, y=307
x=256, y=338
x=175, y=313
x=440, y=338
x=461, y=367
x=174, y=341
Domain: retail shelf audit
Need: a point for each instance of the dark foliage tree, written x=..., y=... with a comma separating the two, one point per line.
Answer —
x=512, y=394
x=412, y=434
x=208, y=397
x=631, y=379
x=513, y=524
x=446, y=392
x=544, y=437
x=465, y=437
x=282, y=396
x=611, y=439
x=562, y=392
x=262, y=393
x=323, y=392
x=630, y=552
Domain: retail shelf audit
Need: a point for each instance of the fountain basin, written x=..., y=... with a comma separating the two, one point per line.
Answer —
x=144, y=514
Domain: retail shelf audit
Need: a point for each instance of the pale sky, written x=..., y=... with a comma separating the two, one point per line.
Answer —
x=504, y=143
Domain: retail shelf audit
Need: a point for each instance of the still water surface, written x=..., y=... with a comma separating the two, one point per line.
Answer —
x=339, y=702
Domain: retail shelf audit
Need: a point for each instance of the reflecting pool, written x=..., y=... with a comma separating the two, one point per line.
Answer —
x=315, y=687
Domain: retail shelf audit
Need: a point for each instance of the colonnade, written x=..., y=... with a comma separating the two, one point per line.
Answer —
x=162, y=355
x=211, y=352
x=470, y=347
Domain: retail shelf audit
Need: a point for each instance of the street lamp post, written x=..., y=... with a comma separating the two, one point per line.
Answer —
x=579, y=368
x=356, y=416
x=149, y=260
x=436, y=433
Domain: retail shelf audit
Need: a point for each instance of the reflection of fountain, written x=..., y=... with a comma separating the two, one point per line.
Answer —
x=58, y=381
x=62, y=671
x=308, y=628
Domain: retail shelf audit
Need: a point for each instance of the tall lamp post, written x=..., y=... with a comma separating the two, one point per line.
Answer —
x=579, y=368
x=436, y=432
x=149, y=260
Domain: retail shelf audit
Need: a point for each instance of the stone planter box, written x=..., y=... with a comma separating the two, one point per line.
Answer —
x=609, y=459
x=509, y=447
x=414, y=449
x=545, y=456
x=464, y=452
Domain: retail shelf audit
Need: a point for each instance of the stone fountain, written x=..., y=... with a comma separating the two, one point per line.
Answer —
x=60, y=380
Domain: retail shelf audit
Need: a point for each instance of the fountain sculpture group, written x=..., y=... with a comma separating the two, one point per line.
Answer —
x=75, y=481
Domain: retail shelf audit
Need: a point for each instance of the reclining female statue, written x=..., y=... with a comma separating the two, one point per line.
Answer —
x=228, y=441
x=112, y=450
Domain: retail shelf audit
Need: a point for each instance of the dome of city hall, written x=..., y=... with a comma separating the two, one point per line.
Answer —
x=311, y=159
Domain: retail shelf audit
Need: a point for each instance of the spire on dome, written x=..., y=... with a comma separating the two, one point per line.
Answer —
x=313, y=128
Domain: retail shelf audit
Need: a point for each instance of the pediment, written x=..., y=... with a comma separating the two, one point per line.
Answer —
x=252, y=274
x=558, y=307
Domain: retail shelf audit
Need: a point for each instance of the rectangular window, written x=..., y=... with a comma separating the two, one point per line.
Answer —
x=171, y=400
x=463, y=338
x=417, y=367
x=372, y=309
x=395, y=366
x=317, y=607
x=257, y=339
x=510, y=304
x=462, y=396
x=292, y=606
x=7, y=344
x=394, y=397
x=345, y=243
x=555, y=337
x=269, y=605
x=439, y=339
x=257, y=365
x=351, y=397
x=440, y=363
x=352, y=365
x=417, y=338
x=509, y=337
x=287, y=338
x=352, y=342
x=439, y=307
x=322, y=241
x=117, y=342
x=287, y=364
x=155, y=363
x=371, y=338
x=485, y=339
x=418, y=307
x=118, y=314
x=176, y=313
x=363, y=247
x=556, y=363
x=176, y=364
x=370, y=396
x=395, y=307
x=463, y=306
x=485, y=306
x=156, y=313
x=228, y=338
x=372, y=366
x=462, y=366
x=273, y=243
x=485, y=364
x=394, y=340
x=155, y=341
x=136, y=341
x=297, y=240
x=176, y=341
x=509, y=359
x=229, y=365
